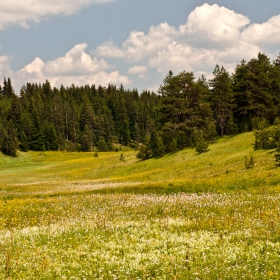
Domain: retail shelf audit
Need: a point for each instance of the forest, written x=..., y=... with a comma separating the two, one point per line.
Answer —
x=185, y=112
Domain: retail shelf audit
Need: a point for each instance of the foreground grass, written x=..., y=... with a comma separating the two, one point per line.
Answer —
x=121, y=236
x=184, y=216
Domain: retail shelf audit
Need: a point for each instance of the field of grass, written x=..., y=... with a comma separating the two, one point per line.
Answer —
x=183, y=216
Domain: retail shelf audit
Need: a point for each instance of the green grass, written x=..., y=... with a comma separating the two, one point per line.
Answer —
x=182, y=216
x=219, y=170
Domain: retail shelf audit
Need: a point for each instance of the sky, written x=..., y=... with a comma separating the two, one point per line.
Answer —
x=131, y=42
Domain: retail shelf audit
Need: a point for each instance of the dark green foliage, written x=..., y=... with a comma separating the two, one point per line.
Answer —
x=102, y=146
x=259, y=123
x=232, y=127
x=187, y=112
x=222, y=99
x=267, y=138
x=95, y=154
x=23, y=142
x=257, y=92
x=201, y=146
x=156, y=144
x=144, y=152
x=10, y=142
x=76, y=118
x=184, y=110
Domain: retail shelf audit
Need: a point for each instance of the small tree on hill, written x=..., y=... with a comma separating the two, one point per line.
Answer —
x=201, y=146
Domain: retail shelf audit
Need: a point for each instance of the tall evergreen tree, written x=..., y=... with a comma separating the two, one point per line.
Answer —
x=222, y=98
x=10, y=142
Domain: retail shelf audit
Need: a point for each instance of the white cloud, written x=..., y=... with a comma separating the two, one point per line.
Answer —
x=211, y=35
x=140, y=46
x=75, y=62
x=108, y=50
x=181, y=57
x=5, y=66
x=76, y=67
x=214, y=24
x=35, y=67
x=138, y=70
x=265, y=34
x=23, y=12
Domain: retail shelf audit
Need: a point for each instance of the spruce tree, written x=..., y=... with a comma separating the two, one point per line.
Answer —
x=10, y=142
x=221, y=98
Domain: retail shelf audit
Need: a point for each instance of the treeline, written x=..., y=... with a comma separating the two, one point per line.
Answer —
x=185, y=113
x=73, y=119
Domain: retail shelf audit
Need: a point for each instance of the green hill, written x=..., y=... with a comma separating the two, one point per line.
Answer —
x=183, y=216
x=221, y=169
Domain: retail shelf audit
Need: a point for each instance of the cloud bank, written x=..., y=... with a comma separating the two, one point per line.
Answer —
x=211, y=35
x=23, y=12
x=76, y=67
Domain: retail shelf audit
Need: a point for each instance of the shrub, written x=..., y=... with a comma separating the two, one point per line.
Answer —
x=249, y=164
x=201, y=146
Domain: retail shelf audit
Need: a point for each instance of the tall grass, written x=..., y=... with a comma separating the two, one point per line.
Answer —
x=183, y=216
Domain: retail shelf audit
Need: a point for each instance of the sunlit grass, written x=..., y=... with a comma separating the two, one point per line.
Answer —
x=220, y=169
x=184, y=216
x=121, y=236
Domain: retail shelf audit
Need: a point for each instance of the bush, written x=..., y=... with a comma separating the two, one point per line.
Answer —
x=144, y=152
x=201, y=146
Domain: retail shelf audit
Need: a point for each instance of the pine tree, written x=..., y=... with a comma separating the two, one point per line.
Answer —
x=222, y=98
x=10, y=142
x=23, y=142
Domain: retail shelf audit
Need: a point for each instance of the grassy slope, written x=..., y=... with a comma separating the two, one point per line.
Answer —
x=219, y=170
x=231, y=234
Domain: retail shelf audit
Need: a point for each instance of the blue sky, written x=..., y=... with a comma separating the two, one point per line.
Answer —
x=131, y=42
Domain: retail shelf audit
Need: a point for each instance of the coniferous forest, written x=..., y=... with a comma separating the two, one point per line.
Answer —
x=186, y=112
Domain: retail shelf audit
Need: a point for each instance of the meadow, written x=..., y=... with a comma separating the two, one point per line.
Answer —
x=183, y=216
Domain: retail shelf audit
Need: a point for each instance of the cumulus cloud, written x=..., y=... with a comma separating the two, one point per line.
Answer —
x=213, y=26
x=181, y=57
x=76, y=67
x=108, y=50
x=5, y=66
x=23, y=12
x=35, y=67
x=75, y=62
x=211, y=35
x=138, y=70
x=265, y=34
x=140, y=46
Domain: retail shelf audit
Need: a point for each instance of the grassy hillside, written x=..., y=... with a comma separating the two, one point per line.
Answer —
x=219, y=170
x=183, y=216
